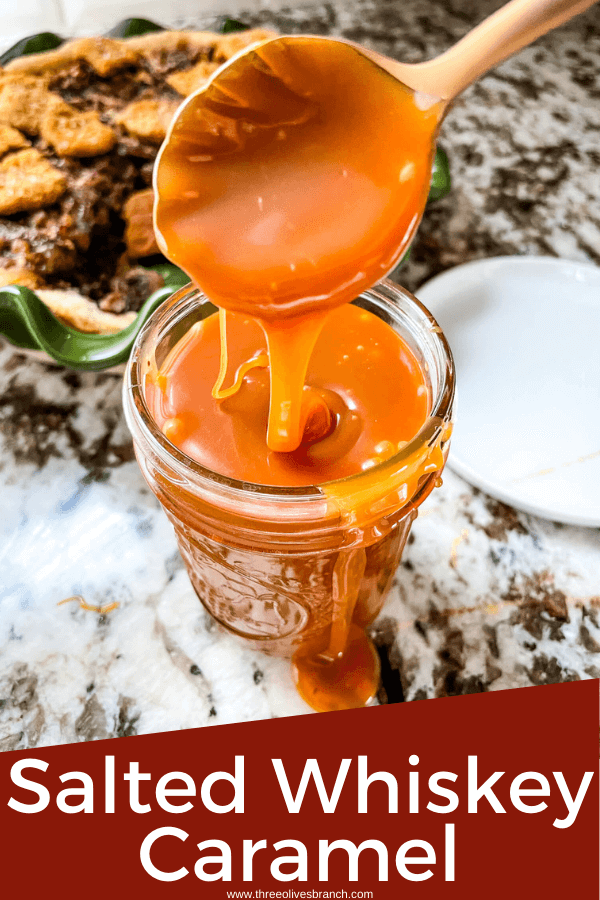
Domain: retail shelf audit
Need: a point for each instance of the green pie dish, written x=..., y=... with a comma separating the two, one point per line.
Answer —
x=25, y=320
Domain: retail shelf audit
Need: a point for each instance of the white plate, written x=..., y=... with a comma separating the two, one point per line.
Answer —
x=525, y=333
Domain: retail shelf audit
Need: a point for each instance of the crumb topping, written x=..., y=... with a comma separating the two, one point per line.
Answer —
x=80, y=128
x=28, y=181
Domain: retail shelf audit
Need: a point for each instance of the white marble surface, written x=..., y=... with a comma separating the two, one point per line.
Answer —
x=484, y=599
x=154, y=663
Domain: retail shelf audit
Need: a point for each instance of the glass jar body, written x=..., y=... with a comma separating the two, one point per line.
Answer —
x=285, y=569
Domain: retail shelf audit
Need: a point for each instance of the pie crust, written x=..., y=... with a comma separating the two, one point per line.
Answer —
x=80, y=127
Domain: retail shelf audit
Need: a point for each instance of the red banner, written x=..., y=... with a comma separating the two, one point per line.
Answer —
x=487, y=795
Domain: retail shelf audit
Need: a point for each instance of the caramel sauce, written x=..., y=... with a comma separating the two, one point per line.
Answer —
x=343, y=383
x=288, y=185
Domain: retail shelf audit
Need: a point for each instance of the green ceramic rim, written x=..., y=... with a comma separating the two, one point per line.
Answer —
x=26, y=321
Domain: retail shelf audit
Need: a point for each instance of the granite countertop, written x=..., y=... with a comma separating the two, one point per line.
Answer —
x=485, y=598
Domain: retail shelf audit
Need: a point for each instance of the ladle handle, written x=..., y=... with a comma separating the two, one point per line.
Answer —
x=509, y=29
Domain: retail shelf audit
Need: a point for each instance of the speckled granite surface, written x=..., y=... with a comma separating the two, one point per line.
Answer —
x=485, y=598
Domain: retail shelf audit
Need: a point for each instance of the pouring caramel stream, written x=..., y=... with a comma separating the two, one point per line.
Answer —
x=289, y=184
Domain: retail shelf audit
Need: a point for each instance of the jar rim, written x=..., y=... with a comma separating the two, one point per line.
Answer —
x=140, y=418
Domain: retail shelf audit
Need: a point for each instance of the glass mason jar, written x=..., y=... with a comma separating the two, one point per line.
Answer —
x=276, y=566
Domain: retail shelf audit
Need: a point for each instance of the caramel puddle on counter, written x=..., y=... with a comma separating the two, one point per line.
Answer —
x=288, y=185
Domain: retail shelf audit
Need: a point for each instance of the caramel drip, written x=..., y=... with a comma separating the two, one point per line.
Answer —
x=387, y=487
x=345, y=673
x=290, y=347
x=290, y=343
x=223, y=359
x=259, y=361
x=347, y=576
